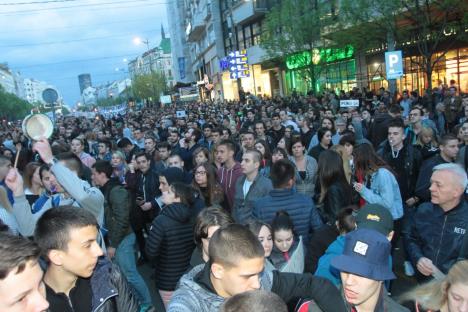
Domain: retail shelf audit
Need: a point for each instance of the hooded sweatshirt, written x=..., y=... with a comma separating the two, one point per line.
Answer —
x=227, y=178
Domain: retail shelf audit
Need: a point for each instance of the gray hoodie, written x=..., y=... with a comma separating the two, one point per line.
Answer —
x=81, y=195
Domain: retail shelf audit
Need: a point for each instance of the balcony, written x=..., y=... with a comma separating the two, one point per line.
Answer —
x=245, y=10
x=195, y=28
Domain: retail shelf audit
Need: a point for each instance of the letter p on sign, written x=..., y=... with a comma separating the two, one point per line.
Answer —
x=394, y=64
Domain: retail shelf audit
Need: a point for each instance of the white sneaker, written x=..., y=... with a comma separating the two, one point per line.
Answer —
x=409, y=270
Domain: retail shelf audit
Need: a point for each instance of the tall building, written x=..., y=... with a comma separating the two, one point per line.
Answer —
x=33, y=90
x=84, y=81
x=10, y=81
x=181, y=57
x=158, y=59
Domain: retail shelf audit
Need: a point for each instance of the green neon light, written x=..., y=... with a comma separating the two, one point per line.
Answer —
x=329, y=55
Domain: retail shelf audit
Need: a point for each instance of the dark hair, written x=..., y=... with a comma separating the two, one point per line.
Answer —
x=348, y=138
x=103, y=166
x=346, y=220
x=254, y=300
x=124, y=142
x=197, y=134
x=142, y=154
x=71, y=161
x=198, y=150
x=281, y=172
x=28, y=173
x=421, y=112
x=106, y=142
x=396, y=123
x=321, y=133
x=54, y=226
x=16, y=252
x=282, y=221
x=184, y=192
x=229, y=144
x=218, y=130
x=294, y=140
x=256, y=226
x=280, y=150
x=257, y=156
x=332, y=122
x=330, y=171
x=366, y=159
x=446, y=138
x=232, y=243
x=208, y=217
x=44, y=167
x=394, y=109
x=267, y=154
x=164, y=144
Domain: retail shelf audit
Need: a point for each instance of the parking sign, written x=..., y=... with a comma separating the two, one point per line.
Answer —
x=394, y=64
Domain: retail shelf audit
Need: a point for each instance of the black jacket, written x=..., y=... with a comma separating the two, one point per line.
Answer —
x=412, y=159
x=336, y=198
x=170, y=243
x=424, y=179
x=437, y=235
x=117, y=206
x=109, y=290
x=318, y=244
x=148, y=187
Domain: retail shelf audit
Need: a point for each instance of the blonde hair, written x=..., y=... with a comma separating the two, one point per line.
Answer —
x=426, y=131
x=340, y=149
x=433, y=295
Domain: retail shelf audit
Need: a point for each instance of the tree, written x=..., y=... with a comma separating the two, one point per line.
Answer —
x=12, y=107
x=296, y=26
x=149, y=86
x=431, y=27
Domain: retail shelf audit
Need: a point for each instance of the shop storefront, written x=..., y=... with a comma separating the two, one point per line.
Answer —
x=332, y=68
x=259, y=82
x=452, y=66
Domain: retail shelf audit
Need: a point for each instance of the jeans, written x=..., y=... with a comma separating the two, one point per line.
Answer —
x=125, y=259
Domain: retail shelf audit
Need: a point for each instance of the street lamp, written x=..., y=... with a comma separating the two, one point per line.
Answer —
x=139, y=41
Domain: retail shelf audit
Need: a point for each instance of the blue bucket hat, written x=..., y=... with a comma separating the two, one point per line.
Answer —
x=366, y=253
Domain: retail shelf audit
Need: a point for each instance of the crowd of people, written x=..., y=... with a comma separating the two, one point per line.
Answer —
x=263, y=204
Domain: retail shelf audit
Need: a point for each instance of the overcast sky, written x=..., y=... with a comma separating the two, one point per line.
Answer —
x=56, y=40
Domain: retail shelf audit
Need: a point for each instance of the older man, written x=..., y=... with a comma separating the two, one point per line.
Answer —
x=437, y=230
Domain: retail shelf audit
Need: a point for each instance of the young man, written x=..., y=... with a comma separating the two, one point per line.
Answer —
x=117, y=207
x=277, y=130
x=21, y=286
x=364, y=266
x=448, y=153
x=416, y=123
x=230, y=170
x=249, y=187
x=77, y=279
x=284, y=196
x=104, y=148
x=437, y=229
x=164, y=150
x=129, y=149
x=69, y=189
x=236, y=263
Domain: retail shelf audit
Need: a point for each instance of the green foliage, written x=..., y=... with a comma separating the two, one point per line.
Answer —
x=12, y=107
x=149, y=86
x=294, y=26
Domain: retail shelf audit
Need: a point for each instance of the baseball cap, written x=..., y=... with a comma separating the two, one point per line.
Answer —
x=375, y=217
x=366, y=253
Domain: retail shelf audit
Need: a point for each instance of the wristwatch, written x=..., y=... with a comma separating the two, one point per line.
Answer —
x=53, y=162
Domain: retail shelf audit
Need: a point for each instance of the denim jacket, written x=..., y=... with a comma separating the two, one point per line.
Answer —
x=384, y=190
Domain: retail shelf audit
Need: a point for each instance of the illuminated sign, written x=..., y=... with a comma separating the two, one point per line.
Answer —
x=329, y=55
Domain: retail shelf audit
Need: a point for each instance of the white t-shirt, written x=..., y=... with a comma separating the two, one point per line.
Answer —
x=246, y=187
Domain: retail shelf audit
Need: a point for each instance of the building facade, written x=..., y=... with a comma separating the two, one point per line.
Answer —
x=33, y=89
x=84, y=80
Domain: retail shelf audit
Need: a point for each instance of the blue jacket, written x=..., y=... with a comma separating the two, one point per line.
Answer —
x=384, y=190
x=324, y=268
x=300, y=207
x=436, y=234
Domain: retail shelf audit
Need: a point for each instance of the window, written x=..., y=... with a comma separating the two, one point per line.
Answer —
x=248, y=36
x=240, y=38
x=256, y=31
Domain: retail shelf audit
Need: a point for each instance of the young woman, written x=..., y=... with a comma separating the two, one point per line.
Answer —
x=170, y=240
x=427, y=143
x=376, y=182
x=262, y=147
x=265, y=236
x=120, y=166
x=200, y=155
x=208, y=221
x=77, y=147
x=446, y=295
x=204, y=181
x=288, y=249
x=324, y=136
x=33, y=187
x=284, y=143
x=306, y=168
x=277, y=154
x=335, y=191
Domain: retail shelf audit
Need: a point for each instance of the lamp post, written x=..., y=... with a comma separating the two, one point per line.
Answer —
x=138, y=41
